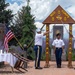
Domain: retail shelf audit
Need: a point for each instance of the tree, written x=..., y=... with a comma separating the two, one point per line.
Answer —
x=29, y=27
x=24, y=25
x=5, y=15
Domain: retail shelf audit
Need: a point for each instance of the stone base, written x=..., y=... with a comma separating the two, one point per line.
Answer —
x=70, y=66
x=47, y=65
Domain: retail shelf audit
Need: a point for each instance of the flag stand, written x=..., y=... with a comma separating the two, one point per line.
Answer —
x=19, y=43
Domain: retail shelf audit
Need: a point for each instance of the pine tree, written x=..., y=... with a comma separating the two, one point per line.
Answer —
x=28, y=26
x=24, y=27
x=5, y=15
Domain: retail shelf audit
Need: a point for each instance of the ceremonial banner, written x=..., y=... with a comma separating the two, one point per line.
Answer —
x=8, y=36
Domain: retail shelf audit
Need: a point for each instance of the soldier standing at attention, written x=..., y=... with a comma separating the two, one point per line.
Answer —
x=58, y=46
x=38, y=47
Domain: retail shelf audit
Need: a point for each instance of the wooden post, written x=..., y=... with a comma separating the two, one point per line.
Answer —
x=70, y=47
x=47, y=47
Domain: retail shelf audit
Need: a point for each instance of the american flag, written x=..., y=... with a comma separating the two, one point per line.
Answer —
x=8, y=36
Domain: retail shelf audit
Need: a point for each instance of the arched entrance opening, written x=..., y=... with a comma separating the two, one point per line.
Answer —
x=59, y=16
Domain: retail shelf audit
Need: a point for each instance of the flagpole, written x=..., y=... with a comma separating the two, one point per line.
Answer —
x=19, y=43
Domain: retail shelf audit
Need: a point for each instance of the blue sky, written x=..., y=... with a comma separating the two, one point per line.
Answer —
x=42, y=8
x=12, y=1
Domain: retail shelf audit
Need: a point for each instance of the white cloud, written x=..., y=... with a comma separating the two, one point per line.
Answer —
x=38, y=24
x=14, y=7
x=71, y=10
x=19, y=0
x=42, y=8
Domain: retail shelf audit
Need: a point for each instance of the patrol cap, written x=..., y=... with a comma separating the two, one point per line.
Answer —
x=58, y=34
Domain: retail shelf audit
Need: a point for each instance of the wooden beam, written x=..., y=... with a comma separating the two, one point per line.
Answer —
x=70, y=47
x=47, y=47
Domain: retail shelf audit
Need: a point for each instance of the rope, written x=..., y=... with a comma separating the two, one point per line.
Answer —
x=65, y=26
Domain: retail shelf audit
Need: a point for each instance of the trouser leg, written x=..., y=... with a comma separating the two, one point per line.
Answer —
x=39, y=56
x=38, y=51
x=36, y=58
x=57, y=59
x=60, y=54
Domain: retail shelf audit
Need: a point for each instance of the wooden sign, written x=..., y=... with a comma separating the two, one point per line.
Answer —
x=58, y=16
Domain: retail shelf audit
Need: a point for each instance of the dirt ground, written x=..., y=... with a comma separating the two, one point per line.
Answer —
x=52, y=70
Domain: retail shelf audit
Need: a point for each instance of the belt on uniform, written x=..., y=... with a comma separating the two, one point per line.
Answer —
x=38, y=45
x=58, y=48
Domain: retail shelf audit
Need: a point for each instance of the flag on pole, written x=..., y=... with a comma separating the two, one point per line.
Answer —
x=8, y=36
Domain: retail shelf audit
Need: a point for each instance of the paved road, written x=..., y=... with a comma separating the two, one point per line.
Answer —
x=45, y=71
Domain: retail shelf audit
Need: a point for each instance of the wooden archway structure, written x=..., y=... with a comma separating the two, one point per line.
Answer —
x=58, y=16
